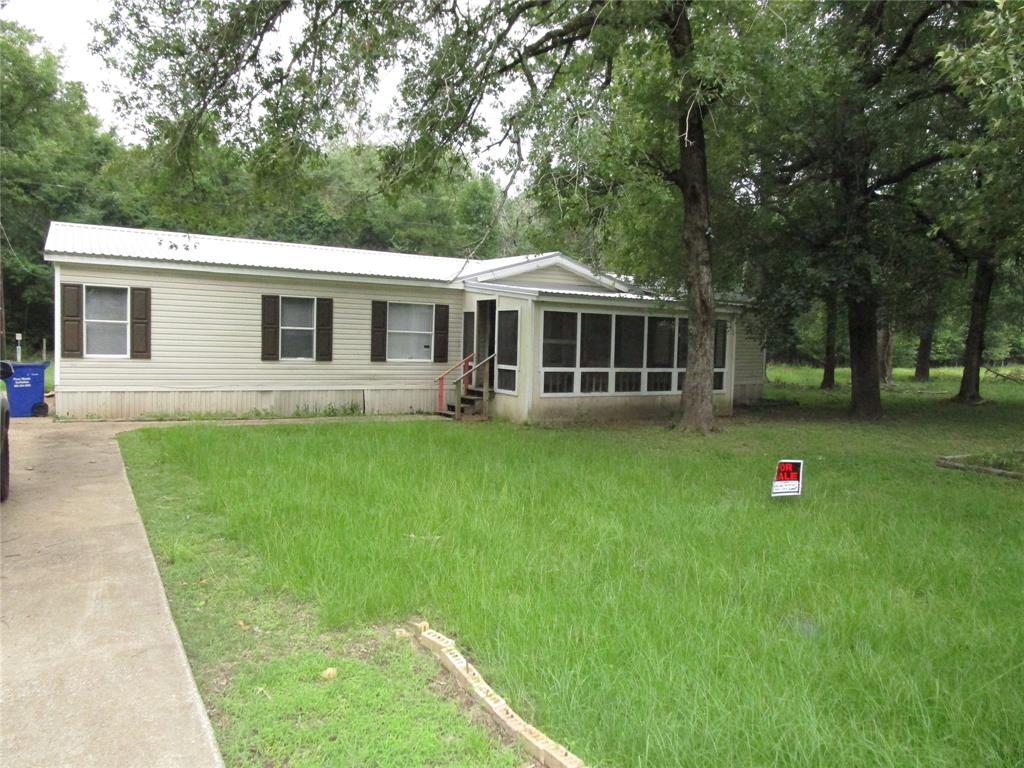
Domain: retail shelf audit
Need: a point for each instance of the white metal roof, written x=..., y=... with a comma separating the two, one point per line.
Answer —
x=180, y=247
x=92, y=241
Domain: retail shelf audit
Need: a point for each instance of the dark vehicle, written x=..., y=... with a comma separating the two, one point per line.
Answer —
x=6, y=371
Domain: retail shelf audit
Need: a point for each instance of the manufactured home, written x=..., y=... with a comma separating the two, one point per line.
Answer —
x=151, y=322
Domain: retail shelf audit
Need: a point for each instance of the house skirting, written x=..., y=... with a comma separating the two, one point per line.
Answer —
x=615, y=407
x=276, y=402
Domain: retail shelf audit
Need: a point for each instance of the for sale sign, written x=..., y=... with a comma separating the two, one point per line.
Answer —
x=789, y=478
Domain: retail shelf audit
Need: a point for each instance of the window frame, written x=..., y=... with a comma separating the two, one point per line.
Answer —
x=678, y=368
x=671, y=370
x=281, y=328
x=497, y=352
x=387, y=333
x=127, y=322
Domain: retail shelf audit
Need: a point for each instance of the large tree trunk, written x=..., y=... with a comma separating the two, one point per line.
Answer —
x=692, y=180
x=828, y=377
x=862, y=311
x=974, y=347
x=923, y=360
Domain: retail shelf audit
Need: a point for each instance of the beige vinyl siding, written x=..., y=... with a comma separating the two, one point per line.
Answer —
x=749, y=371
x=206, y=336
x=553, y=277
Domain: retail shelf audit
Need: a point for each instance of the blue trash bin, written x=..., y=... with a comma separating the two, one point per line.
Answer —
x=25, y=389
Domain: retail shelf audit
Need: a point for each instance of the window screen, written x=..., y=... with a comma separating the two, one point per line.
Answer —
x=508, y=339
x=660, y=338
x=721, y=333
x=106, y=321
x=629, y=342
x=559, y=340
x=507, y=379
x=297, y=328
x=594, y=381
x=628, y=381
x=558, y=381
x=659, y=381
x=683, y=345
x=410, y=331
x=595, y=342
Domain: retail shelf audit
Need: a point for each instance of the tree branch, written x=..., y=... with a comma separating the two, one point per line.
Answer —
x=940, y=233
x=907, y=171
x=876, y=75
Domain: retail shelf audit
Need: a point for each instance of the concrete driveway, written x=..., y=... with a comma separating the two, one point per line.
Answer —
x=91, y=665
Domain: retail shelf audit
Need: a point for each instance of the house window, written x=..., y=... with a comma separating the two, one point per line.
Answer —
x=507, y=354
x=106, y=321
x=410, y=331
x=592, y=353
x=298, y=328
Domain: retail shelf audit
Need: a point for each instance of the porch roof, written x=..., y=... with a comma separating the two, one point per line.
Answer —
x=579, y=295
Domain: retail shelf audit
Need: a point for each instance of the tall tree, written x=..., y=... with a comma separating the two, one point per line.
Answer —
x=989, y=75
x=858, y=123
x=648, y=72
x=51, y=148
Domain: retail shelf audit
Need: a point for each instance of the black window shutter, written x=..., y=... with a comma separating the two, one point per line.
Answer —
x=71, y=319
x=271, y=327
x=379, y=331
x=324, y=329
x=141, y=323
x=440, y=333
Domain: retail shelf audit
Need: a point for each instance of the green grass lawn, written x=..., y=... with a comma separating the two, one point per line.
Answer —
x=632, y=590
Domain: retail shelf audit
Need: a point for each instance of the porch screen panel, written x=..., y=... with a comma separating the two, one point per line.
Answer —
x=661, y=342
x=629, y=352
x=595, y=341
x=721, y=336
x=559, y=340
x=721, y=332
x=559, y=350
x=508, y=349
x=629, y=341
x=660, y=338
x=683, y=343
x=508, y=337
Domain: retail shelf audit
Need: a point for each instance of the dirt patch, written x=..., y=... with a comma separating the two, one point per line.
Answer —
x=443, y=684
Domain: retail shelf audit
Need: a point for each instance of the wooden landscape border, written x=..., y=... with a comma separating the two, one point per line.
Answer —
x=548, y=752
x=958, y=462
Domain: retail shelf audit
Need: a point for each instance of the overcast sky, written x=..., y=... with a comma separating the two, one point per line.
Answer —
x=66, y=26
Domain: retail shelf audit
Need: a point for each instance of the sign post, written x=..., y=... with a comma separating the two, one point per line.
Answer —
x=789, y=478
